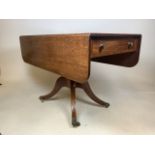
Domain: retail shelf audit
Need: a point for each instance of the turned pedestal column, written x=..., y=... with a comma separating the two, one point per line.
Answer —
x=63, y=82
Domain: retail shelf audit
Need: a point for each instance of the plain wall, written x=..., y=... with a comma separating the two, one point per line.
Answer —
x=13, y=68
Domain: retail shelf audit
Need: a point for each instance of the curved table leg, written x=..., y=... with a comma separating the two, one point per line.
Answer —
x=89, y=92
x=58, y=85
x=75, y=123
x=63, y=82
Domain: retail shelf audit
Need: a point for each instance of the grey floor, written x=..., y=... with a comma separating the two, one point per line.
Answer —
x=130, y=92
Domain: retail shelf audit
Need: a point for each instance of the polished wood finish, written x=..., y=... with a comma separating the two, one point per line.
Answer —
x=63, y=82
x=69, y=55
x=103, y=47
x=86, y=87
x=118, y=56
x=75, y=123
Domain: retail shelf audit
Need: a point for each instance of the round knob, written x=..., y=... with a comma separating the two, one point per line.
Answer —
x=101, y=47
x=130, y=44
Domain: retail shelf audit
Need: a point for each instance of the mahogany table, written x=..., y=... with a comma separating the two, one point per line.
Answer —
x=69, y=55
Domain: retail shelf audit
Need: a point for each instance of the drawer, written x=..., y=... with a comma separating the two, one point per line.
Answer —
x=104, y=47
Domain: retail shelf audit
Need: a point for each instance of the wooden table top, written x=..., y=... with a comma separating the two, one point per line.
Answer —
x=70, y=54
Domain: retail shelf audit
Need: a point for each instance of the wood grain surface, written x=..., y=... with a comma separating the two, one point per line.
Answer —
x=118, y=55
x=67, y=55
x=105, y=47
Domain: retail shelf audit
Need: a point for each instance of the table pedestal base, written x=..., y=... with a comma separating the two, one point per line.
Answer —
x=63, y=82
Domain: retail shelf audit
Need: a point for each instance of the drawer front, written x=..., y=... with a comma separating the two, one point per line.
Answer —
x=103, y=47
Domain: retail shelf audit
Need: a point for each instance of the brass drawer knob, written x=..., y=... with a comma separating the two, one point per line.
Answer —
x=101, y=48
x=130, y=45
